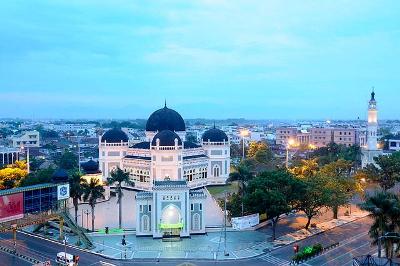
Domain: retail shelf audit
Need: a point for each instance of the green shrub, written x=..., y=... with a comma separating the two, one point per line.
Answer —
x=308, y=252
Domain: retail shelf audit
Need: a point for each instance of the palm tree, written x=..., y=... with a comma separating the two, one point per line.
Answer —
x=119, y=177
x=385, y=210
x=92, y=192
x=242, y=175
x=76, y=191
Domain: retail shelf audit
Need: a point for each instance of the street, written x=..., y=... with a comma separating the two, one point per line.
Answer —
x=353, y=241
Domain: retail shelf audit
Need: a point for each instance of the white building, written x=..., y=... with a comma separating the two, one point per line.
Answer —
x=27, y=139
x=170, y=172
x=371, y=149
x=394, y=144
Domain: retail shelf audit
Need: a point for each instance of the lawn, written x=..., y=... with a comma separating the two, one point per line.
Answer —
x=218, y=191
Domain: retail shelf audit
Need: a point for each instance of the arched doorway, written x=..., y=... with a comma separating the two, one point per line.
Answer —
x=171, y=221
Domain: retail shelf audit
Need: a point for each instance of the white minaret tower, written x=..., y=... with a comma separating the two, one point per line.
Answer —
x=371, y=150
x=372, y=128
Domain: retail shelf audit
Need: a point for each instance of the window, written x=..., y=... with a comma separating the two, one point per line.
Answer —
x=141, y=208
x=216, y=171
x=145, y=223
x=191, y=207
x=196, y=222
x=149, y=208
x=200, y=207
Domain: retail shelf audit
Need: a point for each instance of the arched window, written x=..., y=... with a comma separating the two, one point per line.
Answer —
x=216, y=171
x=145, y=223
x=196, y=222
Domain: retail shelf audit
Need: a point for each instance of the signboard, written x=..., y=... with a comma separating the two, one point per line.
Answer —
x=244, y=222
x=63, y=192
x=11, y=207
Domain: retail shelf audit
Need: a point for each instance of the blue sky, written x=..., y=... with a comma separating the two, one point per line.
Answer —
x=208, y=58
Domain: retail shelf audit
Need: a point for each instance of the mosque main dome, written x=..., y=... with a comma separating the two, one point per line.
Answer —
x=165, y=119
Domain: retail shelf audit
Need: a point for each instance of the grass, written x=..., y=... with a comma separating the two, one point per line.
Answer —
x=218, y=191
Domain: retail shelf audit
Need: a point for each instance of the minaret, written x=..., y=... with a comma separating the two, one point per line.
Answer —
x=372, y=128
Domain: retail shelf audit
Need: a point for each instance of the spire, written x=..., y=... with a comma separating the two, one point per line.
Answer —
x=373, y=94
x=165, y=103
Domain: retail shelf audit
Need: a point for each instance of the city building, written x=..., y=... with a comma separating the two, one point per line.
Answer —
x=394, y=144
x=8, y=155
x=28, y=139
x=371, y=150
x=169, y=171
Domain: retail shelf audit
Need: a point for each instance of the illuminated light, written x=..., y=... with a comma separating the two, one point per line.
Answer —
x=244, y=132
x=291, y=142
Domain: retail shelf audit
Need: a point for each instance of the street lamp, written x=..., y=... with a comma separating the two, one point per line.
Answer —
x=244, y=133
x=27, y=157
x=87, y=212
x=289, y=143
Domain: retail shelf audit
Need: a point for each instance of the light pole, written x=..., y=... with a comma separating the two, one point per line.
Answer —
x=28, y=168
x=243, y=133
x=225, y=253
x=289, y=143
x=87, y=212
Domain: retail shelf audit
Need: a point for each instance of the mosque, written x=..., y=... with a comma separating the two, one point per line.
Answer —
x=169, y=172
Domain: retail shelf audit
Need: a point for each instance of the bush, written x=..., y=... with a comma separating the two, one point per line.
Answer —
x=308, y=252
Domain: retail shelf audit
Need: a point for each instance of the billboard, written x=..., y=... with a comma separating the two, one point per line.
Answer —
x=244, y=222
x=11, y=207
x=63, y=192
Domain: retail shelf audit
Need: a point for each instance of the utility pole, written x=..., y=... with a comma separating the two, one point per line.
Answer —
x=225, y=253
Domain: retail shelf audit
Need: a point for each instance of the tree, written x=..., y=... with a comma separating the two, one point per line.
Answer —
x=93, y=191
x=340, y=183
x=241, y=174
x=236, y=151
x=274, y=193
x=388, y=171
x=12, y=175
x=384, y=208
x=67, y=161
x=119, y=177
x=307, y=168
x=313, y=196
x=254, y=147
x=190, y=137
x=76, y=191
x=38, y=177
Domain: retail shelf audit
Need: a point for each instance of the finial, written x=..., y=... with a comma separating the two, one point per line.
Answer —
x=214, y=124
x=165, y=103
x=373, y=94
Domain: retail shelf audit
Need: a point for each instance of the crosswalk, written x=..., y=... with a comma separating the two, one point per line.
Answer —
x=275, y=260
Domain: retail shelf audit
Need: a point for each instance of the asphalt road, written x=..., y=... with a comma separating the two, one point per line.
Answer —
x=353, y=239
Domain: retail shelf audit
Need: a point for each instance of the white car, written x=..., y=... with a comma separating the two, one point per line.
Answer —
x=65, y=259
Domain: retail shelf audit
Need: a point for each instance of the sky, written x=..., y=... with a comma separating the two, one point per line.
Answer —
x=208, y=58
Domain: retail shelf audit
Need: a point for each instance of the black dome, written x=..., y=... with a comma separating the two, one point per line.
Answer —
x=165, y=119
x=215, y=135
x=60, y=176
x=90, y=167
x=114, y=135
x=167, y=138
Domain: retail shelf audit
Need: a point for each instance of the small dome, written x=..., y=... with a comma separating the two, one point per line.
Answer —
x=215, y=135
x=165, y=119
x=114, y=135
x=167, y=138
x=60, y=176
x=90, y=167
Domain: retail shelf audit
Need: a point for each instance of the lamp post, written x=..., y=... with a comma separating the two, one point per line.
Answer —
x=28, y=168
x=289, y=143
x=243, y=133
x=87, y=212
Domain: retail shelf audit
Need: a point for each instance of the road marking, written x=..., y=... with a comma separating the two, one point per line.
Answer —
x=344, y=254
x=106, y=263
x=275, y=260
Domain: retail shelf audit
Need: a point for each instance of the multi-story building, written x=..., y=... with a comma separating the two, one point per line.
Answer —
x=345, y=136
x=320, y=137
x=8, y=155
x=394, y=144
x=284, y=134
x=28, y=139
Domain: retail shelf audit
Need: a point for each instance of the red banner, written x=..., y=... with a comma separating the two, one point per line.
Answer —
x=11, y=207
